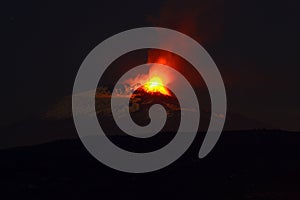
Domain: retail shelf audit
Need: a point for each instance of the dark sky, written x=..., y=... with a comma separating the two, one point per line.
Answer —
x=254, y=43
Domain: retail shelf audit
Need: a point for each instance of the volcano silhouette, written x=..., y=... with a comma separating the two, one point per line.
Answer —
x=139, y=104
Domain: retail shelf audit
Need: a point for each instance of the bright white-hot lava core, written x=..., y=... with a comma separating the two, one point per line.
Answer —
x=155, y=85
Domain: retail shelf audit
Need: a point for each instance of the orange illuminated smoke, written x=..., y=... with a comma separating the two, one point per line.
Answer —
x=155, y=85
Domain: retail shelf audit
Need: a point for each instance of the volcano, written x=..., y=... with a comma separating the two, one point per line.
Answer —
x=142, y=99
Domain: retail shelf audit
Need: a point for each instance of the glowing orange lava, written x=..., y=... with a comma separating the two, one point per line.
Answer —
x=155, y=85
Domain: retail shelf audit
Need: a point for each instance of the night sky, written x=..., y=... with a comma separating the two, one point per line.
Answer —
x=255, y=44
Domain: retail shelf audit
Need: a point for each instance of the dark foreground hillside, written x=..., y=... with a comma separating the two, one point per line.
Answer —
x=243, y=165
